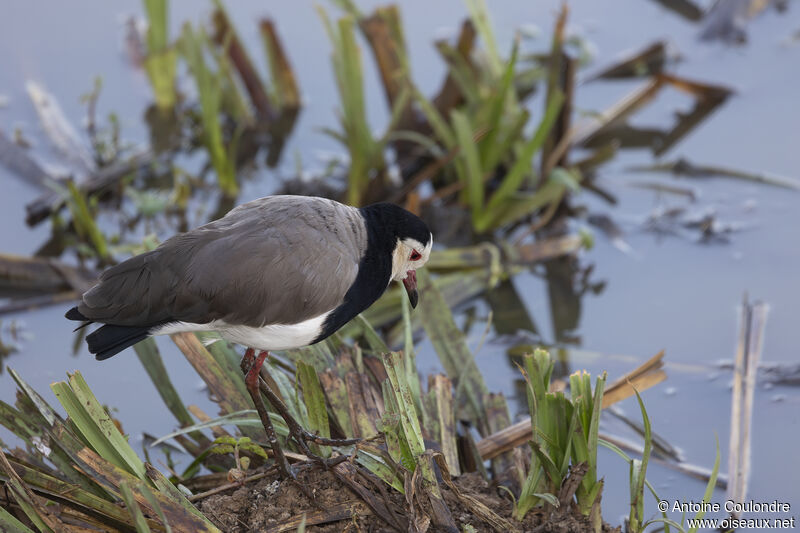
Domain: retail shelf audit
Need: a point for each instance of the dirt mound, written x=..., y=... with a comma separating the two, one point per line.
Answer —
x=271, y=505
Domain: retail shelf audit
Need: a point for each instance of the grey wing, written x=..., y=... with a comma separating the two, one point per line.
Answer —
x=266, y=262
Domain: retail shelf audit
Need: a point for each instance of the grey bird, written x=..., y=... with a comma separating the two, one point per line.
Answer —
x=276, y=273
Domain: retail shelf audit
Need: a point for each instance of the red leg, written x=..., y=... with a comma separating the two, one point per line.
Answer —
x=251, y=379
x=248, y=359
x=252, y=383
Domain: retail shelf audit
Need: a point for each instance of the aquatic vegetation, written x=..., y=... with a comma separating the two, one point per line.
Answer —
x=478, y=149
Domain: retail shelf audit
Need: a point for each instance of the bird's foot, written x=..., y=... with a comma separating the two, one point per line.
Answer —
x=301, y=435
x=251, y=366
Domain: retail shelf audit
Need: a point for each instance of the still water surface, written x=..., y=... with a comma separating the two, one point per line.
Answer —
x=671, y=293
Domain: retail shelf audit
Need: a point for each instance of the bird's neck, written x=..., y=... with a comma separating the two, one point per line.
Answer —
x=374, y=273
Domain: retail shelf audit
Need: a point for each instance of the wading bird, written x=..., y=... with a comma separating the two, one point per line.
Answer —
x=276, y=273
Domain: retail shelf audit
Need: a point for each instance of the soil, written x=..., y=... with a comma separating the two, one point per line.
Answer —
x=271, y=505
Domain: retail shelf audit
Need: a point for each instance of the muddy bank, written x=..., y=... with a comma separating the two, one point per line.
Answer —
x=275, y=506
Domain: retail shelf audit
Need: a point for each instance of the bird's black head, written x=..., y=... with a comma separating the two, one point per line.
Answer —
x=398, y=223
x=403, y=235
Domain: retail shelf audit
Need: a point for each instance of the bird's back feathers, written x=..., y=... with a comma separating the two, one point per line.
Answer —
x=275, y=260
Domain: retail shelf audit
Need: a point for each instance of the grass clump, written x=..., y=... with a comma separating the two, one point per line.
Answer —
x=565, y=437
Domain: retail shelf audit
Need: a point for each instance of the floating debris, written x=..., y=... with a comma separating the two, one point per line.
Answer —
x=19, y=163
x=58, y=129
x=685, y=168
x=52, y=201
x=611, y=124
x=646, y=62
x=727, y=20
x=690, y=193
x=781, y=374
x=685, y=8
x=612, y=230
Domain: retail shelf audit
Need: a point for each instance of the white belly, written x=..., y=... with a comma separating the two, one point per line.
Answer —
x=270, y=337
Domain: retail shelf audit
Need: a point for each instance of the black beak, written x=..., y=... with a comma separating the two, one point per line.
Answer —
x=410, y=283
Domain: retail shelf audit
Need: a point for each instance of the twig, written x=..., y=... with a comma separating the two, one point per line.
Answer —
x=222, y=488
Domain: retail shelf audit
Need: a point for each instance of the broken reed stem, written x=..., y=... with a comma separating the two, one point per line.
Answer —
x=748, y=355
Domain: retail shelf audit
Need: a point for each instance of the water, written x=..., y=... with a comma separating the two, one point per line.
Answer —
x=671, y=293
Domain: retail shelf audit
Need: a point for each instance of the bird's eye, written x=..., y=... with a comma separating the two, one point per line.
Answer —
x=415, y=255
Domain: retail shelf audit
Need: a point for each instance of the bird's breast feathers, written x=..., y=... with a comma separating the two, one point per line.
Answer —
x=269, y=337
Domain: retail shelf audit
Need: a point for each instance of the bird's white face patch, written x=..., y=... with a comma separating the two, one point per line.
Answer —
x=409, y=254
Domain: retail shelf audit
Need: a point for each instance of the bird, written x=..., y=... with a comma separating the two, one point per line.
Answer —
x=275, y=273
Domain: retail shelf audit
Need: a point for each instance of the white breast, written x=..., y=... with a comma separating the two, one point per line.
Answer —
x=270, y=337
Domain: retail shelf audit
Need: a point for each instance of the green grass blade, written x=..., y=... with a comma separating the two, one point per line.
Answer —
x=210, y=97
x=374, y=340
x=95, y=425
x=497, y=105
x=314, y=400
x=451, y=348
x=594, y=423
x=365, y=153
x=410, y=364
x=396, y=442
x=157, y=24
x=639, y=472
x=393, y=361
x=712, y=482
x=181, y=517
x=10, y=524
x=70, y=492
x=438, y=123
x=42, y=406
x=161, y=67
x=520, y=205
x=161, y=61
x=480, y=18
x=104, y=423
x=462, y=73
x=133, y=508
x=244, y=418
x=523, y=165
x=472, y=176
x=377, y=466
x=151, y=499
x=84, y=222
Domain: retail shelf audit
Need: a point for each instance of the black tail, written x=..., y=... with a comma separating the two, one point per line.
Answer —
x=74, y=314
x=110, y=340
